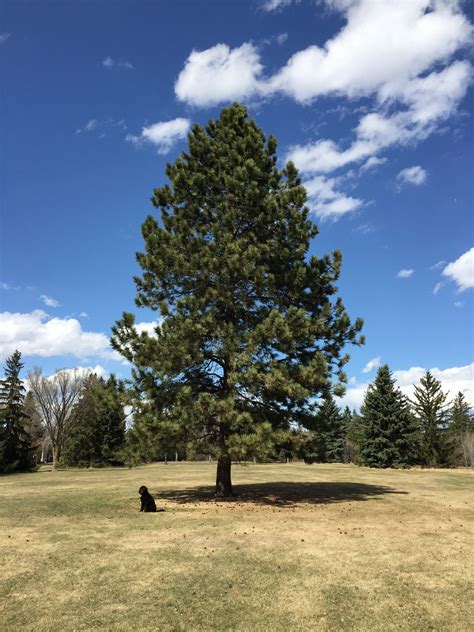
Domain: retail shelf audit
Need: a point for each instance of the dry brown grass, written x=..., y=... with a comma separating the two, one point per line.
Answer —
x=322, y=547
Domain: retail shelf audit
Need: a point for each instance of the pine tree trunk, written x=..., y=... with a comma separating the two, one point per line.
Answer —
x=223, y=477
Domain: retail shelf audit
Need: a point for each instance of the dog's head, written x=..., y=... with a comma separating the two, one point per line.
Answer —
x=143, y=490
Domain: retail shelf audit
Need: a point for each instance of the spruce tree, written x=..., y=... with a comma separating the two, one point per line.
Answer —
x=252, y=332
x=431, y=412
x=327, y=444
x=388, y=430
x=98, y=424
x=460, y=430
x=16, y=450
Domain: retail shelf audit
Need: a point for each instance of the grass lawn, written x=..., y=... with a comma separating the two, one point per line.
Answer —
x=320, y=547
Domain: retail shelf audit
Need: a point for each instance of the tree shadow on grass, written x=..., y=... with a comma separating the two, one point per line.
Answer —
x=282, y=493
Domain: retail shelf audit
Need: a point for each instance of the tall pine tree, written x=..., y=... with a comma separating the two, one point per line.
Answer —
x=431, y=412
x=388, y=438
x=251, y=330
x=16, y=450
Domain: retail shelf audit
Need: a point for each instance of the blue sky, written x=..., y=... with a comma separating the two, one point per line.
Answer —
x=372, y=100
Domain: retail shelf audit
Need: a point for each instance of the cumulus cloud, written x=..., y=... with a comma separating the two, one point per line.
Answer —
x=461, y=271
x=110, y=63
x=148, y=328
x=326, y=201
x=413, y=175
x=37, y=334
x=219, y=74
x=163, y=135
x=383, y=47
x=405, y=274
x=372, y=364
x=453, y=380
x=49, y=301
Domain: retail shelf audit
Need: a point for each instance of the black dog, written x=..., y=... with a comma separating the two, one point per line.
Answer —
x=147, y=502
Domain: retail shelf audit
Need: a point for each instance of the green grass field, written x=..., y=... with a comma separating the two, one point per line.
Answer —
x=321, y=547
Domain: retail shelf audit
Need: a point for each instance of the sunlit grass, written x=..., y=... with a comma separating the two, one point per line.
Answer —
x=321, y=547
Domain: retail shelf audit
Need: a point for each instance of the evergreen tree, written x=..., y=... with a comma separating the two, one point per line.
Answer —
x=16, y=450
x=354, y=435
x=430, y=409
x=388, y=429
x=327, y=444
x=460, y=430
x=251, y=333
x=460, y=416
x=98, y=424
x=34, y=426
x=110, y=402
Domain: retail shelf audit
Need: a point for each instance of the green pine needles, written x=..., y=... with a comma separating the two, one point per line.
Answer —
x=251, y=331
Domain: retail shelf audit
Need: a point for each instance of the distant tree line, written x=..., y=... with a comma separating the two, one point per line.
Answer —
x=79, y=420
x=68, y=418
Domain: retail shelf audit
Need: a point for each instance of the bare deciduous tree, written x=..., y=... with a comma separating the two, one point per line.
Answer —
x=55, y=397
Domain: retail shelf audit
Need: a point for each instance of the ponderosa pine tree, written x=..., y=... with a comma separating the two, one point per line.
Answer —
x=429, y=404
x=251, y=331
x=16, y=450
x=389, y=434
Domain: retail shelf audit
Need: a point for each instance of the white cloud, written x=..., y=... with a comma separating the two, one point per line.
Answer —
x=405, y=274
x=4, y=37
x=372, y=163
x=438, y=287
x=219, y=74
x=83, y=371
x=110, y=63
x=49, y=301
x=164, y=135
x=37, y=334
x=381, y=48
x=372, y=364
x=95, y=125
x=148, y=328
x=453, y=380
x=413, y=175
x=381, y=51
x=281, y=38
x=326, y=201
x=461, y=271
x=4, y=286
x=275, y=5
x=458, y=304
x=437, y=265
